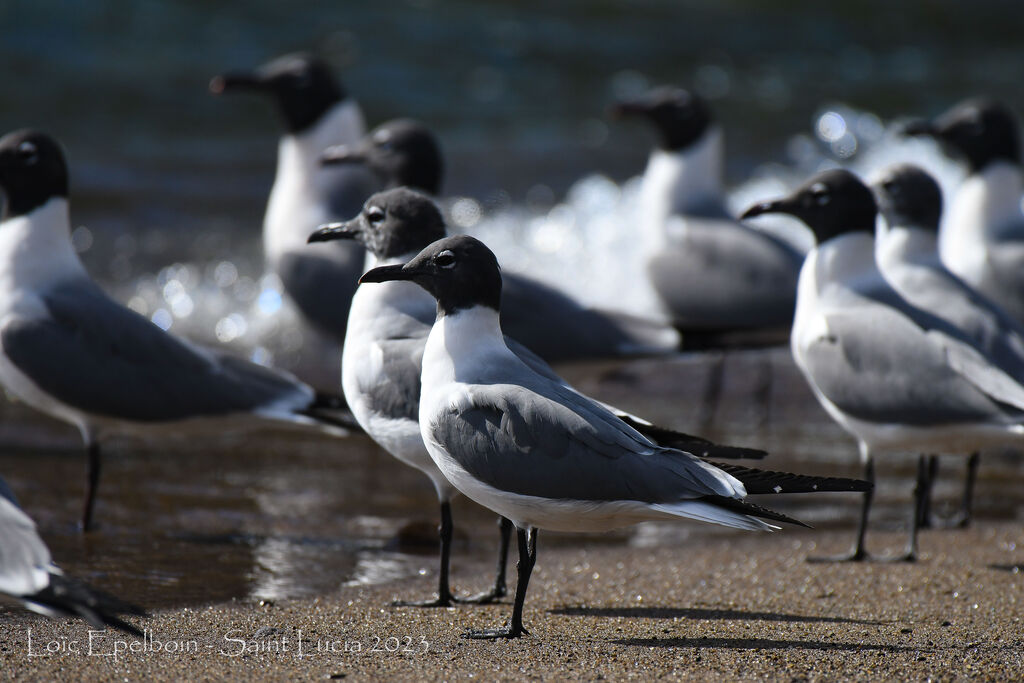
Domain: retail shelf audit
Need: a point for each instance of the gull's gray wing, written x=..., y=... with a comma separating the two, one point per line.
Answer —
x=24, y=559
x=102, y=358
x=395, y=391
x=875, y=364
x=545, y=440
x=726, y=276
x=669, y=438
x=556, y=327
x=934, y=289
x=321, y=279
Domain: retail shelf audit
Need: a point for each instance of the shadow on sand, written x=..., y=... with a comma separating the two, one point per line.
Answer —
x=696, y=613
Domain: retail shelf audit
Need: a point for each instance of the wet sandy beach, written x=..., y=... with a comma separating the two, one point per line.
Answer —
x=737, y=607
x=244, y=556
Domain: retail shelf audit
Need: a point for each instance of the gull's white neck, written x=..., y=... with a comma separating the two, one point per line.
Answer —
x=372, y=303
x=463, y=347
x=297, y=203
x=680, y=182
x=986, y=208
x=901, y=245
x=36, y=250
x=829, y=272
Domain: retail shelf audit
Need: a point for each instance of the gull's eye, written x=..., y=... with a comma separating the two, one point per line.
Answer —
x=28, y=153
x=820, y=195
x=375, y=215
x=382, y=140
x=446, y=259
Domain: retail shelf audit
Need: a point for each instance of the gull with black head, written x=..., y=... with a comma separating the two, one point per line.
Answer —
x=712, y=273
x=982, y=236
x=896, y=377
x=69, y=350
x=530, y=448
x=317, y=112
x=910, y=205
x=382, y=361
x=554, y=325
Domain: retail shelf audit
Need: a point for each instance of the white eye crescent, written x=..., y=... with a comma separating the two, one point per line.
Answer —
x=375, y=215
x=27, y=152
x=445, y=259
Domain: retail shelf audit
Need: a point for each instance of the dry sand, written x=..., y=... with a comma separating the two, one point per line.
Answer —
x=740, y=607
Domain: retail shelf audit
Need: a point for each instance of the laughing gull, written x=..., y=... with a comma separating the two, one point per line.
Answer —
x=982, y=237
x=381, y=364
x=711, y=272
x=895, y=377
x=533, y=450
x=69, y=350
x=28, y=574
x=910, y=204
x=551, y=323
x=317, y=113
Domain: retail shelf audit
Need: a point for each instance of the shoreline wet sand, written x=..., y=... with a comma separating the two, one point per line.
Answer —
x=733, y=607
x=188, y=528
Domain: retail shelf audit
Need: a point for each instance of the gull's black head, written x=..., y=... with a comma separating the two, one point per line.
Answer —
x=302, y=85
x=392, y=223
x=400, y=152
x=459, y=271
x=680, y=117
x=907, y=196
x=830, y=203
x=981, y=131
x=32, y=170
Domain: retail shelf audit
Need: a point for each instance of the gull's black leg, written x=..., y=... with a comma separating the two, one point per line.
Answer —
x=499, y=590
x=925, y=509
x=963, y=518
x=444, y=594
x=858, y=553
x=527, y=542
x=92, y=482
x=922, y=490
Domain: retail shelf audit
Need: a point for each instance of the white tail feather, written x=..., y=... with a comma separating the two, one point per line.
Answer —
x=707, y=512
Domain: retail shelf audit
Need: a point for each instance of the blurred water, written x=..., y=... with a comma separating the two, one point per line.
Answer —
x=169, y=186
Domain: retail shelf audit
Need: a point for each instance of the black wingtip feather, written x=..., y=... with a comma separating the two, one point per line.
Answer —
x=697, y=445
x=73, y=597
x=759, y=482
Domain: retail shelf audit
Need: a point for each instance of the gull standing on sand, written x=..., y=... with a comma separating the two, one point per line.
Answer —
x=317, y=113
x=712, y=273
x=533, y=450
x=28, y=574
x=982, y=236
x=547, y=320
x=895, y=377
x=910, y=204
x=382, y=361
x=70, y=351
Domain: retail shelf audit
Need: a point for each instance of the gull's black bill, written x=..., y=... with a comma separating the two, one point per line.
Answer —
x=334, y=231
x=387, y=274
